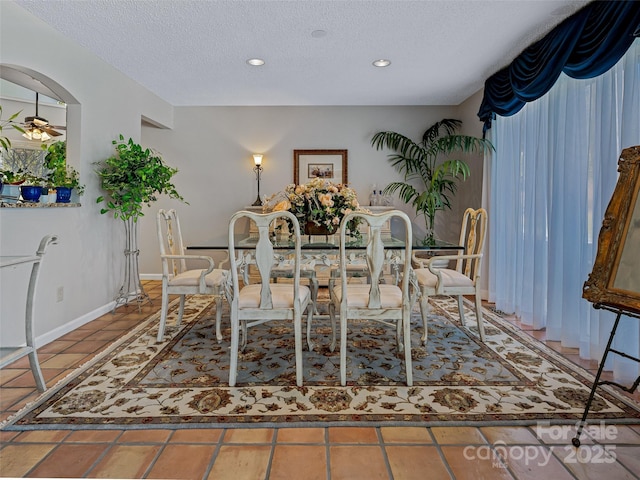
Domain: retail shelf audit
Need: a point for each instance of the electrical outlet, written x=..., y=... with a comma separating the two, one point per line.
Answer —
x=60, y=294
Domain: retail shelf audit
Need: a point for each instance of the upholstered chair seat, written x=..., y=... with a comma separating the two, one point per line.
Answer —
x=191, y=278
x=281, y=295
x=450, y=278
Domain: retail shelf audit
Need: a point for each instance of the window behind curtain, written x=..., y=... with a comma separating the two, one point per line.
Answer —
x=552, y=176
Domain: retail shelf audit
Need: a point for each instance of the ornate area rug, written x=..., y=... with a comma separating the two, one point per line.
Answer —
x=182, y=382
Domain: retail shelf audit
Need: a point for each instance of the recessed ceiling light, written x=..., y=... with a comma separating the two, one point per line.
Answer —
x=256, y=62
x=382, y=63
x=318, y=33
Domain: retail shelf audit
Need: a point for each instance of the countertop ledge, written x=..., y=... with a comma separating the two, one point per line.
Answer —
x=39, y=205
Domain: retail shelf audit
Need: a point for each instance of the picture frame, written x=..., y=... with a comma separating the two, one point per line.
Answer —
x=328, y=164
x=615, y=278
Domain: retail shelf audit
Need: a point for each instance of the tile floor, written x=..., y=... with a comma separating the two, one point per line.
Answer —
x=462, y=452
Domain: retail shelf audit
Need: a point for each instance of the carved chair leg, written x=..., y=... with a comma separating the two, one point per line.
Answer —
x=332, y=316
x=297, y=328
x=181, y=310
x=343, y=347
x=244, y=333
x=218, y=302
x=406, y=326
x=163, y=315
x=313, y=281
x=424, y=312
x=310, y=309
x=479, y=316
x=233, y=352
x=461, y=310
x=399, y=336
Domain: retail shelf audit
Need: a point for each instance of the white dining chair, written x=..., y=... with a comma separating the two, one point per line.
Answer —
x=388, y=304
x=179, y=277
x=257, y=303
x=464, y=278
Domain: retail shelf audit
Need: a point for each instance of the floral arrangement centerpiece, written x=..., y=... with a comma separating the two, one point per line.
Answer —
x=319, y=206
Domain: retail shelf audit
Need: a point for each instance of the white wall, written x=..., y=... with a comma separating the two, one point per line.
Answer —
x=212, y=148
x=87, y=262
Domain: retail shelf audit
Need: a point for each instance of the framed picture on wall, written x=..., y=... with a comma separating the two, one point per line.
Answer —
x=327, y=164
x=615, y=278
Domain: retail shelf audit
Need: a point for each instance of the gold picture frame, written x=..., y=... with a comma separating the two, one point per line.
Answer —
x=615, y=278
x=328, y=164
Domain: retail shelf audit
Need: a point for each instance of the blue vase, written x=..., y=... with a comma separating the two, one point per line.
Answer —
x=63, y=194
x=30, y=193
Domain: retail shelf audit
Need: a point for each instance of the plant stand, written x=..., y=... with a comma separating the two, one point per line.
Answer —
x=131, y=287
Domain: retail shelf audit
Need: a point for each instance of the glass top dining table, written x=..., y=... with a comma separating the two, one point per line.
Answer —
x=332, y=242
x=323, y=250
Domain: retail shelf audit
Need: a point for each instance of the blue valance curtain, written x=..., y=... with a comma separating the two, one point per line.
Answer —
x=585, y=45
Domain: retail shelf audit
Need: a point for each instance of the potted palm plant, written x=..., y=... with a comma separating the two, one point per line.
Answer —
x=429, y=182
x=133, y=177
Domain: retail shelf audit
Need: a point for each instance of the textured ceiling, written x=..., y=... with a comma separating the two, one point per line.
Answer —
x=194, y=52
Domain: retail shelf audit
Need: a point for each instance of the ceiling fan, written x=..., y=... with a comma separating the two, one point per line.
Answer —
x=38, y=128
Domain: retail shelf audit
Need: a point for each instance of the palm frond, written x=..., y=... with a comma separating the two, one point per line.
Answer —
x=419, y=163
x=403, y=164
x=452, y=168
x=449, y=125
x=409, y=157
x=459, y=143
x=397, y=143
x=406, y=192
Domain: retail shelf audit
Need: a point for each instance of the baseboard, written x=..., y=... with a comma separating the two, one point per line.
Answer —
x=86, y=318
x=72, y=325
x=150, y=276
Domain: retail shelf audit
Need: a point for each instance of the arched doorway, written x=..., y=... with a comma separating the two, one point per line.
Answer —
x=45, y=102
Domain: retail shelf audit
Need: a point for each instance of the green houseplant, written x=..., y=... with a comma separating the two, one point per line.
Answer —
x=429, y=182
x=56, y=161
x=31, y=188
x=61, y=176
x=5, y=143
x=133, y=177
x=7, y=176
x=13, y=178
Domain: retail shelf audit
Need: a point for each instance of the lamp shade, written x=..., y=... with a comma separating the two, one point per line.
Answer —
x=257, y=159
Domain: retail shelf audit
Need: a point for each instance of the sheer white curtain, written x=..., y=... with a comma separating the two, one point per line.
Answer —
x=551, y=179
